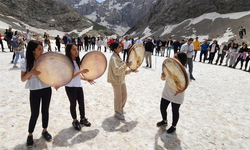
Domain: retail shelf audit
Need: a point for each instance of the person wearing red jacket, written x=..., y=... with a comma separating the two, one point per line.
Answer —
x=110, y=42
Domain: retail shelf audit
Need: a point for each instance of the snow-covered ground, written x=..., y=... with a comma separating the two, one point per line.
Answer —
x=215, y=113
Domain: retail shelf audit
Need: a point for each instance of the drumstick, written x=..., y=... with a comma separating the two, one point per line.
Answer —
x=174, y=77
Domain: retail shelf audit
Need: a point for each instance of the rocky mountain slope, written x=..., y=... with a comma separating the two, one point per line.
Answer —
x=184, y=18
x=117, y=15
x=44, y=14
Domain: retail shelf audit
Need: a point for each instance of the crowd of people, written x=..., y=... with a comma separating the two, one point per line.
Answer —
x=184, y=51
x=232, y=51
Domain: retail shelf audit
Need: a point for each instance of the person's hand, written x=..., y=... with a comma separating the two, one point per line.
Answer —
x=135, y=71
x=217, y=48
x=34, y=72
x=57, y=87
x=176, y=93
x=129, y=64
x=163, y=76
x=91, y=82
x=84, y=71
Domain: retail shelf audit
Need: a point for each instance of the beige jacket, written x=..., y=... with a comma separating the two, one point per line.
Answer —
x=117, y=70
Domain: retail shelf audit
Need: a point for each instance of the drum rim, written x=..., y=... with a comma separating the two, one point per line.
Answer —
x=183, y=70
x=97, y=52
x=130, y=50
x=61, y=55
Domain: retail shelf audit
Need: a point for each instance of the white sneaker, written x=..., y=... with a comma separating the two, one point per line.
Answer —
x=119, y=116
x=15, y=66
x=123, y=112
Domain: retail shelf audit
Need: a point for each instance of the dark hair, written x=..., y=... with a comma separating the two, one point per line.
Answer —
x=68, y=54
x=32, y=45
x=236, y=44
x=114, y=46
x=182, y=58
x=191, y=39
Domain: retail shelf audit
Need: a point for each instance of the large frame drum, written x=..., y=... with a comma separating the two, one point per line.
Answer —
x=176, y=75
x=56, y=69
x=136, y=56
x=96, y=63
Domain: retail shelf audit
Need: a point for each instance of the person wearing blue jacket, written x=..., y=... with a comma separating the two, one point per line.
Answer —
x=204, y=48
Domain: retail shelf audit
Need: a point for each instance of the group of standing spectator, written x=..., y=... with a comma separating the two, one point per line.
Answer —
x=232, y=51
x=16, y=43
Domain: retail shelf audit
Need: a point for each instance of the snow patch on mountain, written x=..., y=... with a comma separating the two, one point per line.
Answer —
x=120, y=6
x=147, y=33
x=39, y=30
x=92, y=16
x=82, y=2
x=214, y=15
x=210, y=16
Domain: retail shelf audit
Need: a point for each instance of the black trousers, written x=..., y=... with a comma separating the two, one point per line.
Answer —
x=195, y=53
x=190, y=66
x=175, y=110
x=93, y=46
x=58, y=47
x=9, y=44
x=1, y=42
x=157, y=51
x=36, y=96
x=221, y=57
x=125, y=52
x=247, y=60
x=211, y=57
x=99, y=48
x=205, y=55
x=241, y=62
x=76, y=94
x=86, y=46
x=13, y=56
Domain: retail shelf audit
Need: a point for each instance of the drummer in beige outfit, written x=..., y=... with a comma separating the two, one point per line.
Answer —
x=116, y=76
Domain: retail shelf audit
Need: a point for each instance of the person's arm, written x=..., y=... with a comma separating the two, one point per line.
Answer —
x=119, y=70
x=209, y=47
x=217, y=48
x=183, y=48
x=90, y=81
x=26, y=75
x=163, y=76
x=79, y=72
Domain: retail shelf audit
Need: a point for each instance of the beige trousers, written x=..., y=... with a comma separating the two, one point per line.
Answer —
x=148, y=58
x=120, y=97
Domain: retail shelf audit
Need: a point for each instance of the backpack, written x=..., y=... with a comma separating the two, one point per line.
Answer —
x=14, y=43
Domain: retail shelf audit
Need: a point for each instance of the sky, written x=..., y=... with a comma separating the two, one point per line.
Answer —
x=100, y=0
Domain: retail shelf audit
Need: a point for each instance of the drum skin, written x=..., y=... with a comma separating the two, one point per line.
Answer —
x=56, y=69
x=176, y=75
x=96, y=63
x=136, y=55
